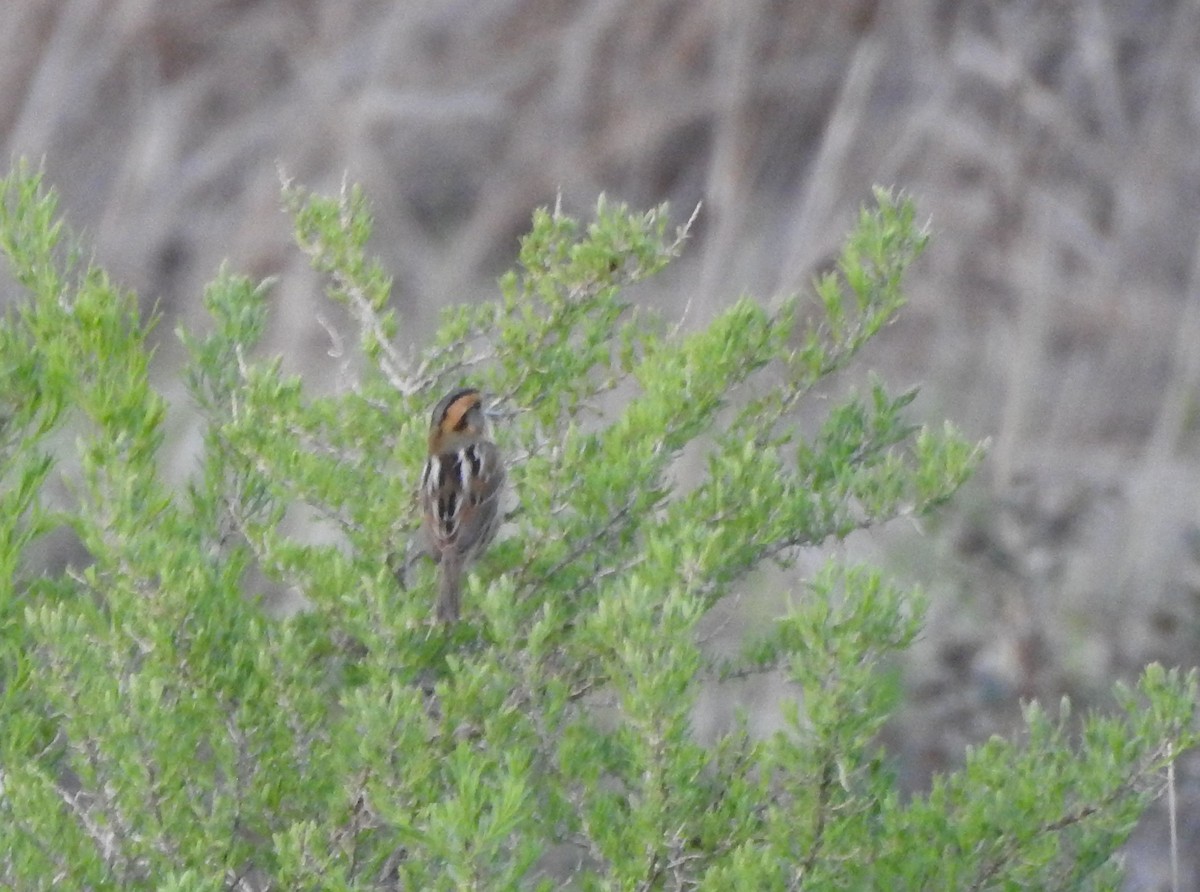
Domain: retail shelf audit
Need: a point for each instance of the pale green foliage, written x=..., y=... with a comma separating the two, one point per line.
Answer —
x=162, y=732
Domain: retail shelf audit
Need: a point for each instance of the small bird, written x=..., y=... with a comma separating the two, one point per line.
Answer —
x=460, y=491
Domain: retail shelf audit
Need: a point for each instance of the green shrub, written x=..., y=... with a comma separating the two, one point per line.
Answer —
x=162, y=731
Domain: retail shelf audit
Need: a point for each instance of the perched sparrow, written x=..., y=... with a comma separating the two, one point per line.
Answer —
x=460, y=491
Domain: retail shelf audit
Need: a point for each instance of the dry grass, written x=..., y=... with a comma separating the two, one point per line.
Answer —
x=1052, y=144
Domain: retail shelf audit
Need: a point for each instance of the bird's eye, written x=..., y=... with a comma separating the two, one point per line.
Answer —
x=455, y=411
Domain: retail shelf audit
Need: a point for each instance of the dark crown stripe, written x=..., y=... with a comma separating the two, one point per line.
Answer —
x=454, y=407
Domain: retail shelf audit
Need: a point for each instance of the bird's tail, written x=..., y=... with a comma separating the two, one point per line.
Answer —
x=449, y=589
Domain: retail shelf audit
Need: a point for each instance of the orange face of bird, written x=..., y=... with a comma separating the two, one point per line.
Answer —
x=457, y=417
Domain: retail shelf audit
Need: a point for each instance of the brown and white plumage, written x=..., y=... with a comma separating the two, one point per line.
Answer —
x=460, y=492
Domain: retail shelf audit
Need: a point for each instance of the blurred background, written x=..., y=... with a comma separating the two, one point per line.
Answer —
x=1051, y=145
